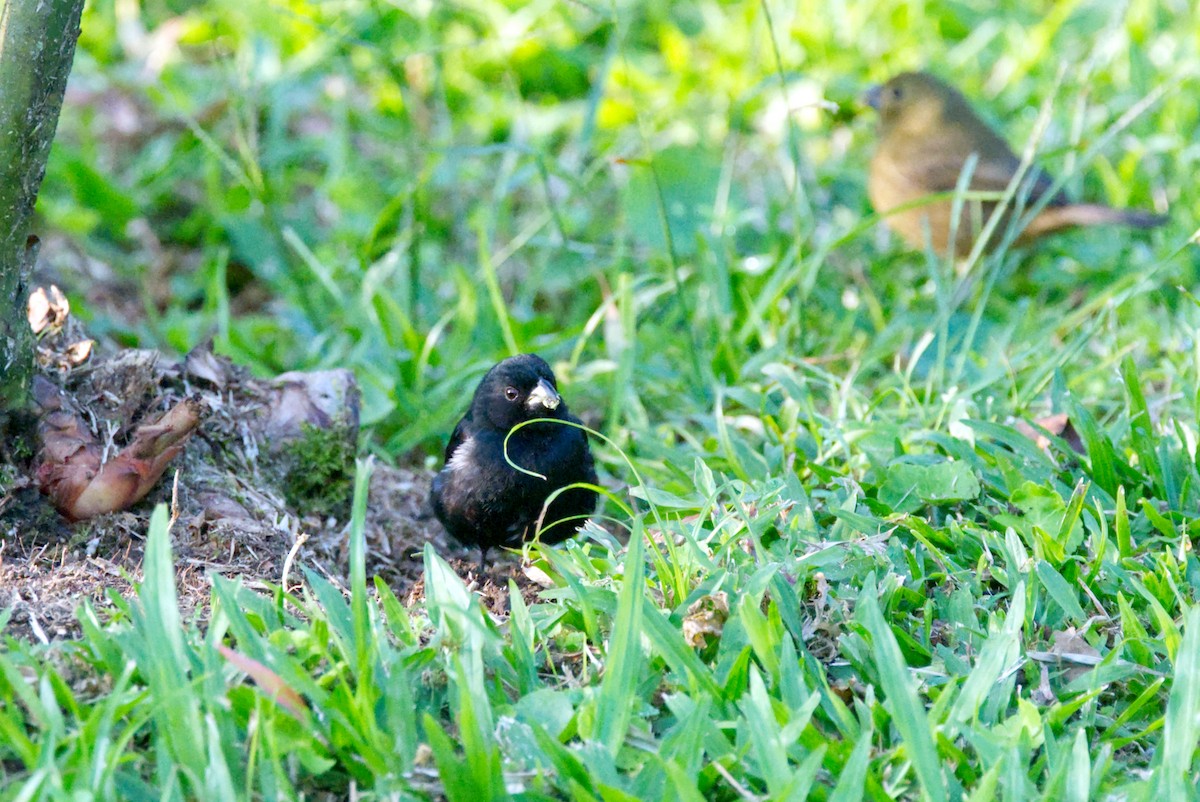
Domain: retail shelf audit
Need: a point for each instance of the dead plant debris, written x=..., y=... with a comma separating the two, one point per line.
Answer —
x=235, y=517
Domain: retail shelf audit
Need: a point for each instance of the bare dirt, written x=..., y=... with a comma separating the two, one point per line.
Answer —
x=255, y=498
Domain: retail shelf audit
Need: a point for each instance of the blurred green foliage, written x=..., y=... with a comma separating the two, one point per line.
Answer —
x=323, y=184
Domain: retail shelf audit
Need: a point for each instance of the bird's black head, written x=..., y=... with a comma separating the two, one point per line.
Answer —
x=518, y=389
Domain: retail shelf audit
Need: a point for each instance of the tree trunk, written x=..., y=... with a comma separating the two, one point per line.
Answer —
x=37, y=45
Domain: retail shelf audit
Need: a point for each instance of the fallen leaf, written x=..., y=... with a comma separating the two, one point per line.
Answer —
x=1057, y=425
x=80, y=352
x=705, y=616
x=1070, y=647
x=47, y=310
x=1043, y=694
x=323, y=398
x=202, y=363
x=424, y=756
x=274, y=685
x=538, y=576
x=822, y=600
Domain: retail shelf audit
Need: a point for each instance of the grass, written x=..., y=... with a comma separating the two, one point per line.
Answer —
x=911, y=599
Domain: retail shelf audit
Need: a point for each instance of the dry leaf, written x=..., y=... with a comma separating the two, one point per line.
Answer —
x=705, y=616
x=1058, y=425
x=424, y=756
x=1070, y=647
x=202, y=363
x=1043, y=694
x=80, y=352
x=324, y=398
x=47, y=310
x=274, y=685
x=537, y=576
x=38, y=310
x=822, y=600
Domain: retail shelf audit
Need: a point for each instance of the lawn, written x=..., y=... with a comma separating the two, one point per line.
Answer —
x=847, y=552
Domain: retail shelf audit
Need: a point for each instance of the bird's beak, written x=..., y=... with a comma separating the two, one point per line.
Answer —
x=544, y=395
x=872, y=96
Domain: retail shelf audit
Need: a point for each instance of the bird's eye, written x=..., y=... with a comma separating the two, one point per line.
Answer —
x=896, y=93
x=511, y=393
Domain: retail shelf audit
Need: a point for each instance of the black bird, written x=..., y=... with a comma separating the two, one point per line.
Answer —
x=479, y=497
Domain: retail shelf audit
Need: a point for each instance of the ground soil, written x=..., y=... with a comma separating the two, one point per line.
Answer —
x=233, y=517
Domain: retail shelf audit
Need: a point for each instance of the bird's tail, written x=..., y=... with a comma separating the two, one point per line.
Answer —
x=1055, y=218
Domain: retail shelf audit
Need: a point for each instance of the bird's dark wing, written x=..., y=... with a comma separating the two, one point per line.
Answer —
x=460, y=433
x=991, y=174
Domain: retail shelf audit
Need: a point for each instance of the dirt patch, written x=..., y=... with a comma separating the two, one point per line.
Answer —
x=47, y=572
x=263, y=486
x=489, y=584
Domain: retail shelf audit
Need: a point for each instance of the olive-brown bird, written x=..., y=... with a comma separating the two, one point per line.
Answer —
x=927, y=131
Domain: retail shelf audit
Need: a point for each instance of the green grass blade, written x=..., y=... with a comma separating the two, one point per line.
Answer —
x=853, y=774
x=908, y=713
x=624, y=659
x=163, y=657
x=358, y=574
x=1079, y=771
x=1181, y=730
x=1000, y=652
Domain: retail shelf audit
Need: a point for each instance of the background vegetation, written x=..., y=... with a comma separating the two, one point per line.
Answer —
x=848, y=575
